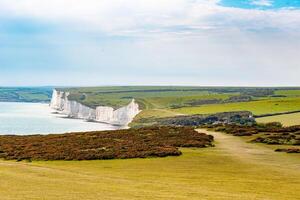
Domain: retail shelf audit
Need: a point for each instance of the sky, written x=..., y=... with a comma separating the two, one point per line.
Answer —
x=149, y=42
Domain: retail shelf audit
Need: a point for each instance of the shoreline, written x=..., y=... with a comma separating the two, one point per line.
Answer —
x=17, y=118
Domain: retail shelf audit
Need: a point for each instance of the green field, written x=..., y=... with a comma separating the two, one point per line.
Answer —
x=231, y=170
x=234, y=169
x=289, y=93
x=149, y=97
x=272, y=105
x=25, y=94
x=286, y=120
x=168, y=101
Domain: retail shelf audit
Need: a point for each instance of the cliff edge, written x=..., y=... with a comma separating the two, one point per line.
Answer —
x=122, y=116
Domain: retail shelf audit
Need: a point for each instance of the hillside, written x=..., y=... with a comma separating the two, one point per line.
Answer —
x=233, y=169
x=170, y=97
x=168, y=101
x=25, y=94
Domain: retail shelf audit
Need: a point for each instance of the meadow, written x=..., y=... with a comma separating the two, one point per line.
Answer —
x=231, y=170
x=258, y=107
x=149, y=97
x=171, y=100
x=167, y=101
x=289, y=93
x=286, y=120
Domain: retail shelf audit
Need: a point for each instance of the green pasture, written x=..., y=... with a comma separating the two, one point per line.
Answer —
x=286, y=120
x=289, y=93
x=149, y=97
x=259, y=107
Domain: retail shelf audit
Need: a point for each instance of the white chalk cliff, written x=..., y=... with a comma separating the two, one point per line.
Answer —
x=122, y=116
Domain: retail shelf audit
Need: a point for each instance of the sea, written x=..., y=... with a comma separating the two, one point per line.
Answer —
x=38, y=118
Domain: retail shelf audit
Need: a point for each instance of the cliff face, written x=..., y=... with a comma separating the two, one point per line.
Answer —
x=122, y=116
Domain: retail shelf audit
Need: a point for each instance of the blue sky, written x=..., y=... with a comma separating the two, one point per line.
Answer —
x=261, y=4
x=146, y=42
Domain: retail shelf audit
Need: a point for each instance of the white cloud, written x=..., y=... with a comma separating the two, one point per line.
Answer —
x=262, y=2
x=134, y=17
x=198, y=40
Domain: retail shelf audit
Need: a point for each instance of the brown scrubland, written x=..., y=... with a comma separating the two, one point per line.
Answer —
x=119, y=144
x=271, y=133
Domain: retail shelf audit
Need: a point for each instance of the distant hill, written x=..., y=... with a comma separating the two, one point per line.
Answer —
x=166, y=101
x=171, y=97
x=25, y=94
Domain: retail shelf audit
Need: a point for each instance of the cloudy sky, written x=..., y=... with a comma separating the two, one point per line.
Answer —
x=150, y=42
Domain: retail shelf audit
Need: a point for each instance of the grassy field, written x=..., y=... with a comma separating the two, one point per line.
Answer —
x=146, y=117
x=149, y=97
x=289, y=93
x=231, y=170
x=286, y=120
x=272, y=105
x=166, y=101
x=23, y=94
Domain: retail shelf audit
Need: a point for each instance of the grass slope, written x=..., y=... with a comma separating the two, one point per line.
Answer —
x=271, y=105
x=231, y=170
x=166, y=101
x=286, y=120
x=289, y=93
x=149, y=97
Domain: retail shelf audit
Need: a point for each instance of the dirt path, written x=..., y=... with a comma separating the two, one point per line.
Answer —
x=253, y=153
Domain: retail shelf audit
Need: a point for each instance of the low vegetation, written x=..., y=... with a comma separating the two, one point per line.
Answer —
x=257, y=107
x=132, y=143
x=167, y=101
x=288, y=92
x=159, y=102
x=241, y=117
x=270, y=133
x=209, y=173
x=169, y=97
x=286, y=119
x=148, y=97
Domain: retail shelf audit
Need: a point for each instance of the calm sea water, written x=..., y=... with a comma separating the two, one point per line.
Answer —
x=33, y=118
